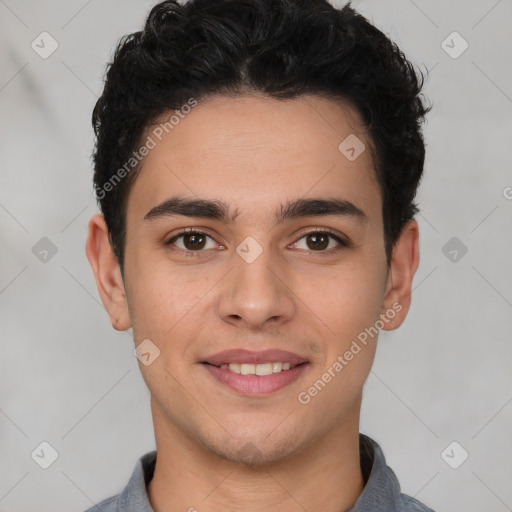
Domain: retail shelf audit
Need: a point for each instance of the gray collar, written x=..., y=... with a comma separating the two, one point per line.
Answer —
x=381, y=492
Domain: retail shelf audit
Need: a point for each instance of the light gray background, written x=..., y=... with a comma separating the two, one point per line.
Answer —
x=69, y=379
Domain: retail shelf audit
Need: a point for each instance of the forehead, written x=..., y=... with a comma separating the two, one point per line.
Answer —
x=252, y=150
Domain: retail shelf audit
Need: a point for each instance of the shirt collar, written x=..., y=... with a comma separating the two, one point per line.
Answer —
x=381, y=492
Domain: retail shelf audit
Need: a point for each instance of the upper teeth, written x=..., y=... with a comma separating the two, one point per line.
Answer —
x=257, y=369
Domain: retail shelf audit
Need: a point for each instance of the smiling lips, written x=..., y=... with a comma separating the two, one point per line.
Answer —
x=255, y=373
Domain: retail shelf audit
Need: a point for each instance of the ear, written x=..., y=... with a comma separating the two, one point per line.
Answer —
x=107, y=273
x=404, y=262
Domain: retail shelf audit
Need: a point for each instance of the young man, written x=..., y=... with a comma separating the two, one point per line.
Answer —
x=256, y=165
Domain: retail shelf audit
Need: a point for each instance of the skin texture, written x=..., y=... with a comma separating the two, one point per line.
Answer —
x=219, y=450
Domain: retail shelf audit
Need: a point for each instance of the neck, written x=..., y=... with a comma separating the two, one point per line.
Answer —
x=189, y=477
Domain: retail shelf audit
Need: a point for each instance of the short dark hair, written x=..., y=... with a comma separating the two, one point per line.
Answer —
x=279, y=48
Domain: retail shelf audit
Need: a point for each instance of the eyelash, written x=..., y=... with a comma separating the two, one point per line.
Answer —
x=323, y=231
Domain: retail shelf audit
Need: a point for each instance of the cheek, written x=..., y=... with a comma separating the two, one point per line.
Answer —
x=348, y=308
x=348, y=301
x=167, y=305
x=158, y=299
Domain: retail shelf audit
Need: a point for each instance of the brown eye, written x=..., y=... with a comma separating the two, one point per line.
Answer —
x=192, y=241
x=320, y=241
x=317, y=241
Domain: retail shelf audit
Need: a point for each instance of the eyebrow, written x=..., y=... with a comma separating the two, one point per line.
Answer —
x=219, y=210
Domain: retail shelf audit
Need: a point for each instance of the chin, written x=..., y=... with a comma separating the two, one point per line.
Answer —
x=252, y=453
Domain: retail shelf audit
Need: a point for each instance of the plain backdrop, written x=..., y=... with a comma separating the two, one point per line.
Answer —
x=68, y=379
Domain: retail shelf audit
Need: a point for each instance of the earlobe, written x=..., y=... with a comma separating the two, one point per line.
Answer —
x=107, y=273
x=403, y=266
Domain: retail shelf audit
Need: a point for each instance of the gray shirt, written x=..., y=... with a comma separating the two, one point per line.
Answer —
x=381, y=492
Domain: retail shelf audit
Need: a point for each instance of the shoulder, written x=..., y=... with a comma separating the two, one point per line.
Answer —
x=412, y=505
x=134, y=496
x=107, y=505
x=382, y=489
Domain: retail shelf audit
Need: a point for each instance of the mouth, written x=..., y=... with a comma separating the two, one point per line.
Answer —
x=255, y=373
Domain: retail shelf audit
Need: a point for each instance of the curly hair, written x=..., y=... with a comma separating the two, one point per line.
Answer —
x=279, y=48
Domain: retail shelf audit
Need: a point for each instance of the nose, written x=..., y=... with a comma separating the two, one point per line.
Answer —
x=256, y=295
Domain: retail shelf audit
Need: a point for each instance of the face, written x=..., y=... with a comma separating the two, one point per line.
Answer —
x=249, y=231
